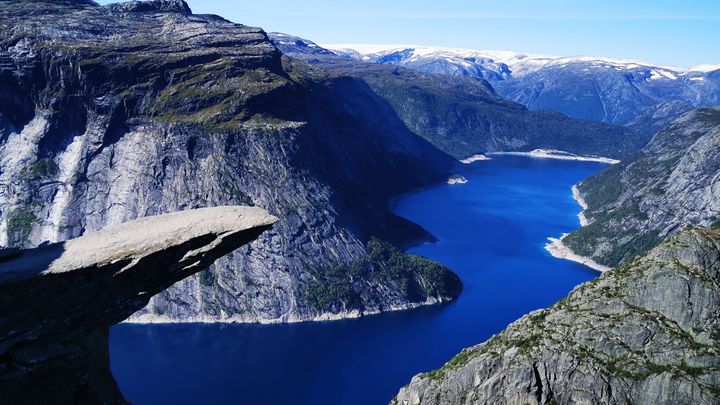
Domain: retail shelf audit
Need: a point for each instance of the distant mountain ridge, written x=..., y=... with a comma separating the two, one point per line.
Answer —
x=521, y=62
x=463, y=115
x=615, y=91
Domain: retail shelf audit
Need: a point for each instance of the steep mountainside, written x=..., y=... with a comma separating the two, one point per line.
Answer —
x=463, y=116
x=647, y=332
x=593, y=88
x=112, y=113
x=669, y=184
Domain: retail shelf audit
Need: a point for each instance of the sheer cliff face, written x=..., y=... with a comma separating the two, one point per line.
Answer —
x=669, y=184
x=647, y=332
x=113, y=113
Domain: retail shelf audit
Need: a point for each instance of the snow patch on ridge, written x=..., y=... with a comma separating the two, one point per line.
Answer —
x=520, y=63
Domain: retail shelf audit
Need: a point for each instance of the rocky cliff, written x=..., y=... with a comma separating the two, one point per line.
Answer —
x=671, y=183
x=58, y=301
x=108, y=114
x=647, y=332
x=462, y=115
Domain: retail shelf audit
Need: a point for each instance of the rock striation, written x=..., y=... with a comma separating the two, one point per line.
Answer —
x=647, y=332
x=669, y=184
x=58, y=301
x=113, y=113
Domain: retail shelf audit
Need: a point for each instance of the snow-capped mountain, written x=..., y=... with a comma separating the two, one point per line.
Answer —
x=587, y=87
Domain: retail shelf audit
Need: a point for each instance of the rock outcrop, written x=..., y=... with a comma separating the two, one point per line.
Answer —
x=671, y=183
x=113, y=113
x=58, y=301
x=647, y=332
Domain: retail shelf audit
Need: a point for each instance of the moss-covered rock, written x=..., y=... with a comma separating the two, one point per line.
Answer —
x=353, y=285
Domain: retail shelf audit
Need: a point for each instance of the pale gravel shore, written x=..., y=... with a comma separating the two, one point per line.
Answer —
x=474, y=158
x=558, y=249
x=581, y=201
x=558, y=154
x=148, y=319
x=456, y=179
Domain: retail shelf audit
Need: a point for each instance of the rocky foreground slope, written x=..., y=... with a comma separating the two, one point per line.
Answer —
x=463, y=115
x=669, y=184
x=647, y=332
x=58, y=301
x=112, y=113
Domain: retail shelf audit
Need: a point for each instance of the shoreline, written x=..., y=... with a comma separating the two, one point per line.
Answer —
x=581, y=202
x=456, y=179
x=474, y=158
x=152, y=319
x=559, y=155
x=557, y=249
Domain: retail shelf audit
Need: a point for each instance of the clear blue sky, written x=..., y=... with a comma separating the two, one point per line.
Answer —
x=677, y=32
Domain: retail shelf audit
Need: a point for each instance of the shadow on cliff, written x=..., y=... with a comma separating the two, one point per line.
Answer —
x=58, y=301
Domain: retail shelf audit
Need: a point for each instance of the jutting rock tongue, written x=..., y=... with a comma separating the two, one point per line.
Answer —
x=57, y=301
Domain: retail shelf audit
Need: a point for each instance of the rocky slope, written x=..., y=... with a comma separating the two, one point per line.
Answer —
x=584, y=87
x=108, y=114
x=669, y=184
x=647, y=332
x=58, y=301
x=462, y=115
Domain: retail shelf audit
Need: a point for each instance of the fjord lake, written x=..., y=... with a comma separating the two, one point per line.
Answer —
x=491, y=231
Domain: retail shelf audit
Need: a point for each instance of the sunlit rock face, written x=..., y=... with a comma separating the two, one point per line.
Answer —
x=113, y=113
x=669, y=184
x=646, y=332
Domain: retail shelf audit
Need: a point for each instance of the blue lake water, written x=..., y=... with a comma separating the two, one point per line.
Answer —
x=491, y=232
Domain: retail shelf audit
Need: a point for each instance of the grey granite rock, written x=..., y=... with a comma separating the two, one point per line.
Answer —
x=671, y=183
x=109, y=114
x=58, y=301
x=647, y=332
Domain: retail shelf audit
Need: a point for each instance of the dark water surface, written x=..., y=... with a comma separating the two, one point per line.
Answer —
x=491, y=230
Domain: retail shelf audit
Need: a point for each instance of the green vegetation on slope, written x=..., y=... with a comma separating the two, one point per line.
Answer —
x=19, y=224
x=416, y=278
x=662, y=188
x=646, y=330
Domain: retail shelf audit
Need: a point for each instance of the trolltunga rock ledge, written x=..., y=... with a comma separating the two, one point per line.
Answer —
x=58, y=301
